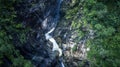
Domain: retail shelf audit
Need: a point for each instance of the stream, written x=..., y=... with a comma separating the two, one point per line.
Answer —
x=41, y=47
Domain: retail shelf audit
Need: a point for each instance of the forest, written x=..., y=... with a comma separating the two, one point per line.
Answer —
x=59, y=33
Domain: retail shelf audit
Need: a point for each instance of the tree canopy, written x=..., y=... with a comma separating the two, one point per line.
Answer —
x=101, y=16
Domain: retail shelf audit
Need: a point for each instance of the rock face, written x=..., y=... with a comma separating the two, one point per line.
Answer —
x=40, y=16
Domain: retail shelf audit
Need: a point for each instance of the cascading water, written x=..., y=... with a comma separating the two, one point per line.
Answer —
x=42, y=16
x=48, y=36
x=51, y=39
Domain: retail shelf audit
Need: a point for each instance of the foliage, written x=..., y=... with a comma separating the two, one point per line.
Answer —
x=103, y=17
x=72, y=16
x=9, y=32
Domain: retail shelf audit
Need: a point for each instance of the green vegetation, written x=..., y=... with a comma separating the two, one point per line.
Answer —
x=103, y=17
x=10, y=31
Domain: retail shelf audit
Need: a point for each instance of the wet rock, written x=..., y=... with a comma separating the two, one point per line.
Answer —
x=40, y=16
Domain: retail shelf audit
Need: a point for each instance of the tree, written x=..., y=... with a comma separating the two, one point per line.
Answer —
x=9, y=28
x=104, y=18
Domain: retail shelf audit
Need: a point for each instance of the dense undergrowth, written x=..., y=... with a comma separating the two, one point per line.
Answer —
x=105, y=20
x=101, y=16
x=12, y=34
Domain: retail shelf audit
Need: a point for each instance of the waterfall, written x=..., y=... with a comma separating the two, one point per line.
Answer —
x=51, y=39
x=51, y=22
x=42, y=16
x=47, y=35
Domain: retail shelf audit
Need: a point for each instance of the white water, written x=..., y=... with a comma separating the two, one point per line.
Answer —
x=62, y=64
x=51, y=39
x=55, y=45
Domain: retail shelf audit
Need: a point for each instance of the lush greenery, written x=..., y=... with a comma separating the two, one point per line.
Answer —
x=103, y=17
x=10, y=31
